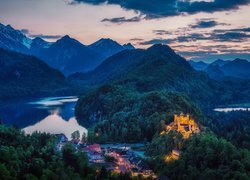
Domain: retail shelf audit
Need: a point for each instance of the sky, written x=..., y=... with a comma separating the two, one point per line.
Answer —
x=197, y=29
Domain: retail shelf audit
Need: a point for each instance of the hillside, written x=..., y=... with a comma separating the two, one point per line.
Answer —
x=69, y=55
x=114, y=110
x=107, y=47
x=156, y=68
x=238, y=68
x=199, y=66
x=23, y=75
x=225, y=69
x=13, y=39
x=66, y=54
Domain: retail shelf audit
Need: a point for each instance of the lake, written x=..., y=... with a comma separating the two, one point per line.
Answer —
x=234, y=107
x=53, y=115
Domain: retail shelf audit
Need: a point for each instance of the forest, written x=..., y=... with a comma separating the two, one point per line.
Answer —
x=119, y=115
x=203, y=156
x=33, y=157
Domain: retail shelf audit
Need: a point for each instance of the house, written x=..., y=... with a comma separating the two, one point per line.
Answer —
x=95, y=157
x=94, y=153
x=93, y=147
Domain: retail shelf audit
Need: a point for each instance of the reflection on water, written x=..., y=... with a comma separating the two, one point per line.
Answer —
x=47, y=103
x=55, y=124
x=52, y=115
x=229, y=109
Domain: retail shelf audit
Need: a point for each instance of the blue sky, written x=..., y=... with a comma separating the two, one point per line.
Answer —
x=201, y=30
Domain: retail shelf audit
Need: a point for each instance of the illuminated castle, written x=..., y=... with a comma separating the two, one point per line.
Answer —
x=174, y=155
x=184, y=125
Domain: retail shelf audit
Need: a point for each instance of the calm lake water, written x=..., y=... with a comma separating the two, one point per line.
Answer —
x=52, y=115
x=234, y=107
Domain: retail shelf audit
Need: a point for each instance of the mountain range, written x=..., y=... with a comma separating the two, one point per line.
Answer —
x=106, y=61
x=155, y=68
x=66, y=54
x=108, y=47
x=224, y=69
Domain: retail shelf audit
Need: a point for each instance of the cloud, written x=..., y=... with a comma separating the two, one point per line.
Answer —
x=196, y=53
x=136, y=39
x=157, y=41
x=120, y=20
x=161, y=32
x=210, y=55
x=243, y=29
x=231, y=36
x=28, y=33
x=165, y=8
x=45, y=36
x=211, y=6
x=206, y=23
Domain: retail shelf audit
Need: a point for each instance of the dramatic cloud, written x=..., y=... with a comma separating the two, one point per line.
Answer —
x=120, y=20
x=231, y=36
x=164, y=8
x=206, y=23
x=45, y=36
x=217, y=35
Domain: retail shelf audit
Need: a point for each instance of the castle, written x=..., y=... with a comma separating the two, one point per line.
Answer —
x=174, y=155
x=184, y=124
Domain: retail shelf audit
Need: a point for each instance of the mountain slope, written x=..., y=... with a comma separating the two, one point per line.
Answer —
x=23, y=75
x=69, y=56
x=199, y=66
x=221, y=70
x=128, y=46
x=239, y=68
x=13, y=39
x=106, y=47
x=156, y=68
x=219, y=62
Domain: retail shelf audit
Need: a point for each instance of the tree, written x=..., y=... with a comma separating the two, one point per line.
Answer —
x=4, y=173
x=75, y=135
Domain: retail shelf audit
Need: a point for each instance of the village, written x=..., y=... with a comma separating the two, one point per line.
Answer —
x=122, y=158
x=118, y=158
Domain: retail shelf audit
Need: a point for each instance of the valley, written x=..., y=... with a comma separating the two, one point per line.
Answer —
x=112, y=111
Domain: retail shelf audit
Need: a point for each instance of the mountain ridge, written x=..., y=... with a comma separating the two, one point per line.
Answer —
x=69, y=54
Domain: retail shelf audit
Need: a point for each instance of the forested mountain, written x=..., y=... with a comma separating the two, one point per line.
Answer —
x=156, y=68
x=238, y=68
x=203, y=156
x=135, y=77
x=24, y=75
x=222, y=69
x=122, y=115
